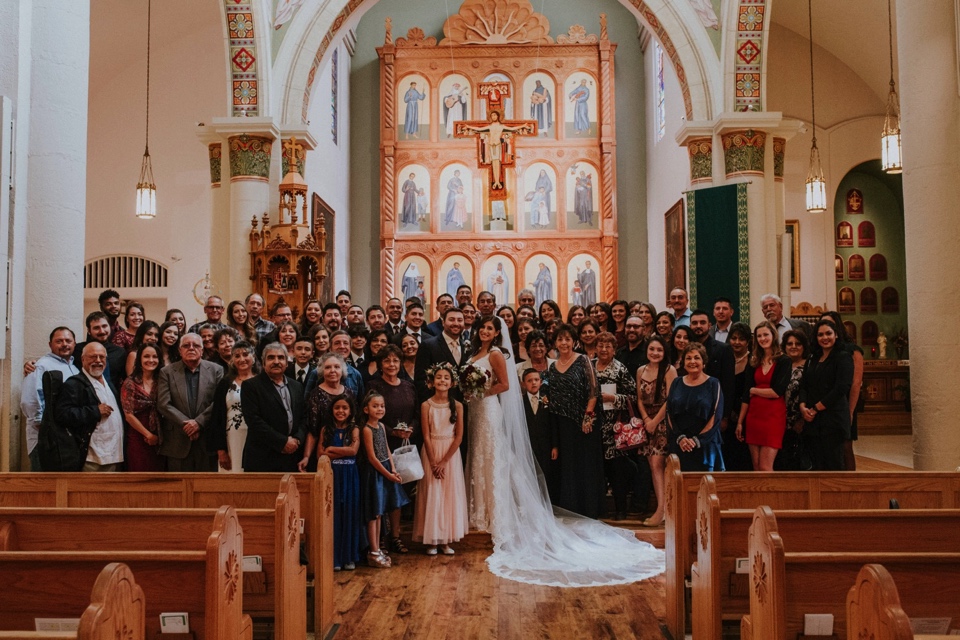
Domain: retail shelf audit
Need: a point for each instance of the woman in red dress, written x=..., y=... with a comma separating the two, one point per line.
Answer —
x=763, y=414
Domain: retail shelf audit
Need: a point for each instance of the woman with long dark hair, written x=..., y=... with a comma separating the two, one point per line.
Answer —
x=856, y=406
x=824, y=399
x=576, y=315
x=549, y=310
x=736, y=453
x=587, y=334
x=663, y=327
x=653, y=382
x=169, y=343
x=312, y=314
x=133, y=317
x=148, y=333
x=370, y=366
x=239, y=320
x=138, y=397
x=682, y=337
x=227, y=427
x=763, y=409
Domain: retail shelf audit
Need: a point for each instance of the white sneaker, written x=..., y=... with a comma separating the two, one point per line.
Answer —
x=448, y=550
x=431, y=551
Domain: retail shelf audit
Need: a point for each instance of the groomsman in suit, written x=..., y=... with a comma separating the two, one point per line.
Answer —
x=273, y=408
x=543, y=437
x=301, y=367
x=444, y=302
x=723, y=314
x=394, y=317
x=185, y=401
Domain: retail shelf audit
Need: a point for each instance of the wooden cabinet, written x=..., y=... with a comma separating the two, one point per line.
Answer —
x=886, y=398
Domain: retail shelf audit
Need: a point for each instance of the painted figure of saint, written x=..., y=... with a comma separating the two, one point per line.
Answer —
x=412, y=123
x=576, y=293
x=541, y=107
x=455, y=107
x=544, y=182
x=460, y=208
x=421, y=204
x=535, y=203
x=581, y=116
x=588, y=285
x=453, y=184
x=498, y=211
x=408, y=210
x=543, y=285
x=454, y=279
x=498, y=283
x=583, y=198
x=411, y=282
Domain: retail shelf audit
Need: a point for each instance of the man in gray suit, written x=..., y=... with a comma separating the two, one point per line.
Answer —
x=772, y=307
x=185, y=401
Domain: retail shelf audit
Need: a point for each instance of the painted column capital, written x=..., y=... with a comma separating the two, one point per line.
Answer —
x=250, y=156
x=215, y=150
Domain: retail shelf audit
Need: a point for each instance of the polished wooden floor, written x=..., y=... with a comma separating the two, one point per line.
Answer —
x=457, y=597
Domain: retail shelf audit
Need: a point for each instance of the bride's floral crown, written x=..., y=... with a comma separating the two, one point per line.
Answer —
x=432, y=371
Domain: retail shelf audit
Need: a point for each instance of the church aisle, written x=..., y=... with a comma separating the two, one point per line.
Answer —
x=456, y=597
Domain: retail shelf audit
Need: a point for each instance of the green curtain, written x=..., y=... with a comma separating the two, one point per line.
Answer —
x=717, y=246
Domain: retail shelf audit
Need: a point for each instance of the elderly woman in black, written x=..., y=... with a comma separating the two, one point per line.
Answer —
x=824, y=399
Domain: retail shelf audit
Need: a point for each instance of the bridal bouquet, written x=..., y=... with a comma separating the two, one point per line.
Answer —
x=474, y=382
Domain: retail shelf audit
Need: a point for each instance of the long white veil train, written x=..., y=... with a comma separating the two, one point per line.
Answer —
x=535, y=542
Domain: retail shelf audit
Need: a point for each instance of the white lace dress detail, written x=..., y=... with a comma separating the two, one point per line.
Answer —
x=484, y=421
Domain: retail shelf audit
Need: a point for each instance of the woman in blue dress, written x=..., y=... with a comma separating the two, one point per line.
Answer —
x=694, y=407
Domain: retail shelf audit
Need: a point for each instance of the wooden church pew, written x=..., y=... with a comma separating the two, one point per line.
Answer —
x=205, y=581
x=196, y=490
x=722, y=537
x=784, y=586
x=273, y=534
x=873, y=608
x=116, y=604
x=783, y=490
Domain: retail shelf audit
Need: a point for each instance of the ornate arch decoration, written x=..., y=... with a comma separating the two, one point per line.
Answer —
x=695, y=63
x=749, y=55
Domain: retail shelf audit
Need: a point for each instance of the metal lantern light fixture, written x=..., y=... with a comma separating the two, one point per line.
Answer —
x=890, y=156
x=816, y=185
x=146, y=188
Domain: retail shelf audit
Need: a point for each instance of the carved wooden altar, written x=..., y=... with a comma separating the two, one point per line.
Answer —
x=289, y=261
x=555, y=221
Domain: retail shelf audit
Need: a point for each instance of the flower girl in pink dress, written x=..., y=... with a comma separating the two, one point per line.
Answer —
x=441, y=516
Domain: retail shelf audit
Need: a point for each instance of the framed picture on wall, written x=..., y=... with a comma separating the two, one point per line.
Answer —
x=675, y=248
x=793, y=228
x=323, y=217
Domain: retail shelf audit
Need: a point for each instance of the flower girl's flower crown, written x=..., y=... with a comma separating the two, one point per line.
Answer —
x=432, y=371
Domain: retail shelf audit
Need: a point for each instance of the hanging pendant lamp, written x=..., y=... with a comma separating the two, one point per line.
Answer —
x=890, y=156
x=816, y=186
x=146, y=188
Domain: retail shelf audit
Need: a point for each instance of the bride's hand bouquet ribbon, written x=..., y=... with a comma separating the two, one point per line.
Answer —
x=474, y=382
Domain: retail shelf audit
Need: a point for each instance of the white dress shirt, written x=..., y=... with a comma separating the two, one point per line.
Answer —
x=106, y=443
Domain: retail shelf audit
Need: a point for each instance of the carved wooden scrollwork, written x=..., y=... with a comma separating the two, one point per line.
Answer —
x=231, y=572
x=577, y=34
x=760, y=578
x=496, y=22
x=416, y=38
x=293, y=529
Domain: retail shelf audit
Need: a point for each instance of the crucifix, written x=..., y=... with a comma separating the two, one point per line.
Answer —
x=495, y=144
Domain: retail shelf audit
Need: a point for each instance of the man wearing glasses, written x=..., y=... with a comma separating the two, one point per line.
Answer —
x=185, y=401
x=214, y=310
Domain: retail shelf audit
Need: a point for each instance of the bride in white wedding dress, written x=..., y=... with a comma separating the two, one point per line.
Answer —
x=532, y=541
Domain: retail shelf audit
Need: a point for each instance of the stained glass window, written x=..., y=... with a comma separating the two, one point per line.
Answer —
x=661, y=116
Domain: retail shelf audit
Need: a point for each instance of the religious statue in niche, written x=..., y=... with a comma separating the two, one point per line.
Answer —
x=844, y=234
x=854, y=201
x=412, y=97
x=882, y=346
x=455, y=101
x=582, y=109
x=857, y=267
x=495, y=137
x=582, y=202
x=866, y=235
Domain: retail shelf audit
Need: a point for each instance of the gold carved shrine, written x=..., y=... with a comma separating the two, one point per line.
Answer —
x=289, y=261
x=498, y=159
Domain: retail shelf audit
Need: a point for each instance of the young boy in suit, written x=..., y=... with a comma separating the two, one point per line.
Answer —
x=543, y=437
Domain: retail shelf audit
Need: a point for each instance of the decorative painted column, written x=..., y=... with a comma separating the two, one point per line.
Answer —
x=220, y=216
x=246, y=154
x=930, y=128
x=57, y=169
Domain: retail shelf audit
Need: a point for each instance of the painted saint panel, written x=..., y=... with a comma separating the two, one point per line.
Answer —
x=455, y=271
x=846, y=300
x=856, y=271
x=584, y=279
x=455, y=199
x=507, y=102
x=540, y=197
x=583, y=196
x=539, y=90
x=540, y=276
x=413, y=198
x=455, y=101
x=844, y=234
x=413, y=108
x=413, y=281
x=866, y=234
x=498, y=276
x=581, y=108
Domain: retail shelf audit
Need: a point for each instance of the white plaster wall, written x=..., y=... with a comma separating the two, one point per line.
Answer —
x=328, y=166
x=668, y=171
x=188, y=85
x=849, y=121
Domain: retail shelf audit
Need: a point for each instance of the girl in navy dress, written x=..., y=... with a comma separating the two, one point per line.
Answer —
x=381, y=482
x=340, y=441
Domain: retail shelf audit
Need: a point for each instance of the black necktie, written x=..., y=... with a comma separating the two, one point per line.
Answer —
x=416, y=336
x=300, y=375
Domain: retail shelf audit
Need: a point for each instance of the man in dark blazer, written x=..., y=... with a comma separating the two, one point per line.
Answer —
x=185, y=392
x=543, y=437
x=274, y=410
x=723, y=314
x=98, y=330
x=444, y=302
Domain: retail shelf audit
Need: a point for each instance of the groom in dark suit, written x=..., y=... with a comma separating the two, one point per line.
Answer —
x=273, y=409
x=446, y=347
